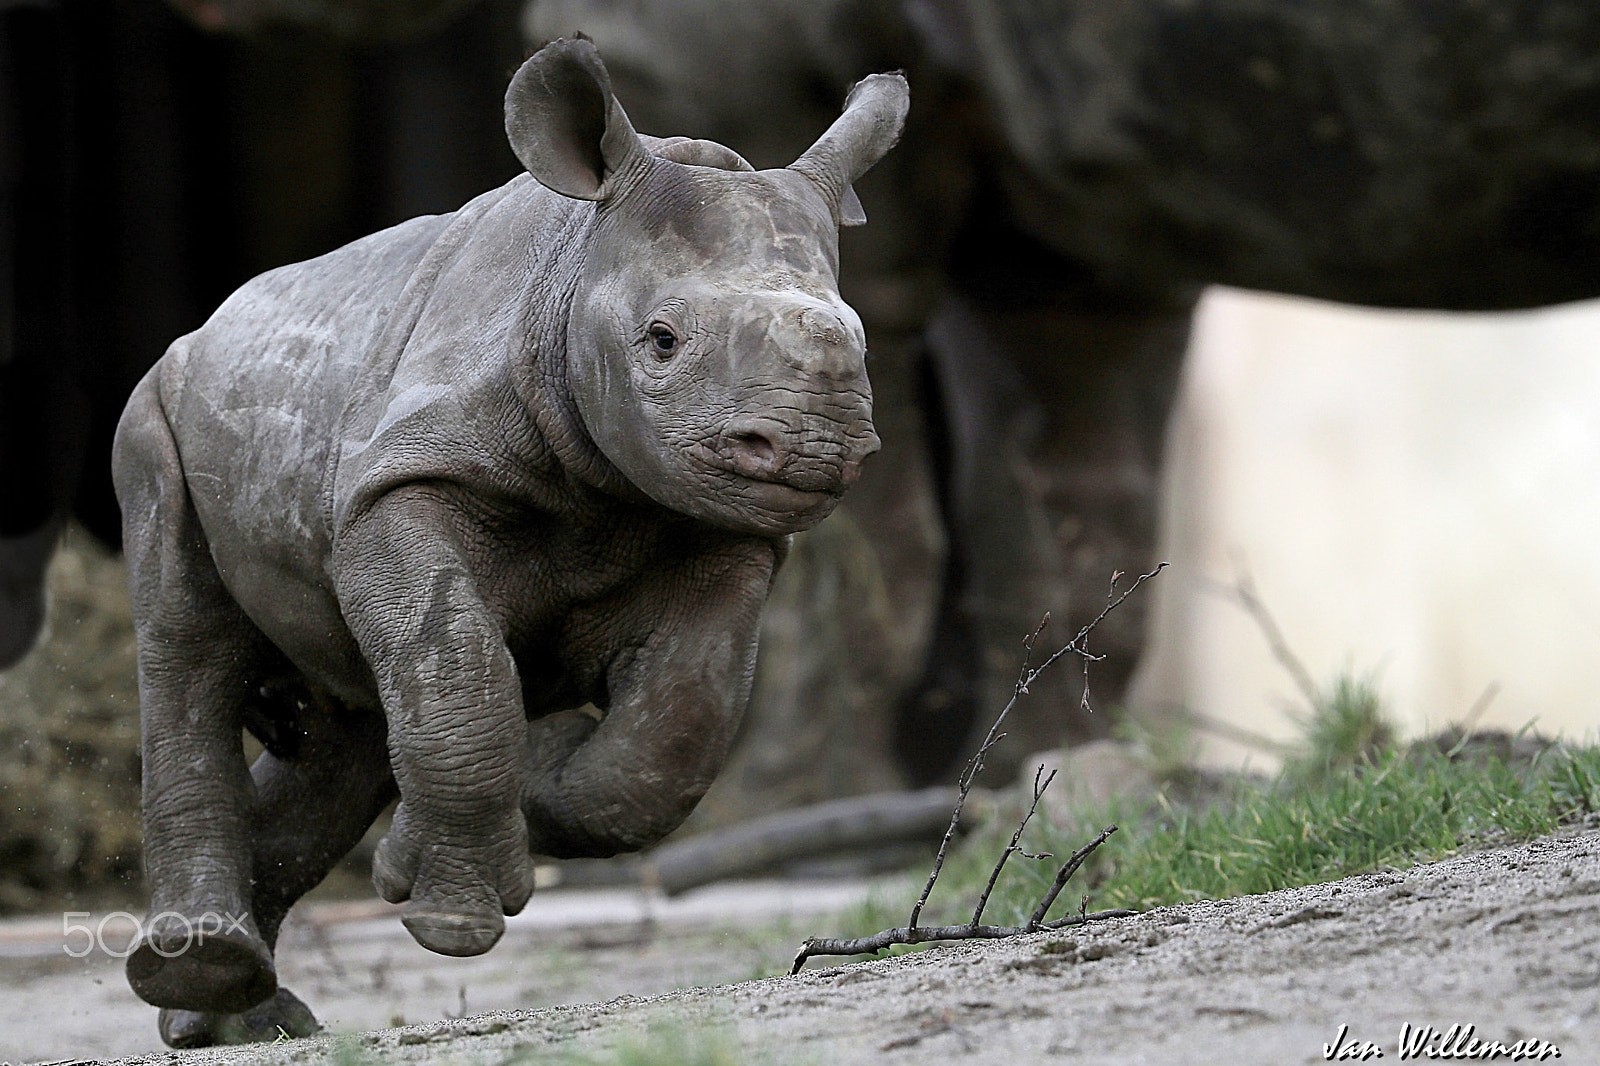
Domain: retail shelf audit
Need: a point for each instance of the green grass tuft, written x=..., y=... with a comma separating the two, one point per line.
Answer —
x=1354, y=801
x=1400, y=810
x=1346, y=728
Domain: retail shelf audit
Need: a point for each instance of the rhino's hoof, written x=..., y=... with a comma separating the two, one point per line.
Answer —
x=220, y=973
x=281, y=1016
x=454, y=933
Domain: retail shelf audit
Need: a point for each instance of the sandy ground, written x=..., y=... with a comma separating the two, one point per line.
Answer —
x=1506, y=941
x=359, y=970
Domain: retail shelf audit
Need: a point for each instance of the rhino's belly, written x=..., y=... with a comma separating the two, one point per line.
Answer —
x=302, y=619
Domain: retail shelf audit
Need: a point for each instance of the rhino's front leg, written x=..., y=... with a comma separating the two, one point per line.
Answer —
x=676, y=701
x=458, y=848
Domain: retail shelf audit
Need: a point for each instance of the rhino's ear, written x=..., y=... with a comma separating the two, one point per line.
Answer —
x=874, y=114
x=566, y=127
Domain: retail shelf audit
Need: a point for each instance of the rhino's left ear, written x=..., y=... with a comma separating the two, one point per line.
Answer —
x=566, y=127
x=874, y=114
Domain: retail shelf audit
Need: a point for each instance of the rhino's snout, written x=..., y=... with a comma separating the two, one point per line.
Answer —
x=764, y=448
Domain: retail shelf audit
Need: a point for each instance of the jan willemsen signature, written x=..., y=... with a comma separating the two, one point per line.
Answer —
x=1458, y=1042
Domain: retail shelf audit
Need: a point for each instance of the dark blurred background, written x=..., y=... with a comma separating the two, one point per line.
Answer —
x=153, y=157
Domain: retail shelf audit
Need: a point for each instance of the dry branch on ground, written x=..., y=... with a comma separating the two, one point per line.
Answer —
x=912, y=932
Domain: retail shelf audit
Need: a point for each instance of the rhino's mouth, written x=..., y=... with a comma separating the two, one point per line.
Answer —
x=766, y=496
x=785, y=497
x=760, y=451
x=810, y=482
x=797, y=476
x=798, y=492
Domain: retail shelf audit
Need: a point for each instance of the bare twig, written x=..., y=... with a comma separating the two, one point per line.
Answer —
x=1111, y=594
x=1064, y=875
x=1014, y=847
x=1025, y=681
x=911, y=932
x=1077, y=643
x=1243, y=590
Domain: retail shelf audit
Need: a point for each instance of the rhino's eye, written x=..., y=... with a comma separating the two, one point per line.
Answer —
x=663, y=342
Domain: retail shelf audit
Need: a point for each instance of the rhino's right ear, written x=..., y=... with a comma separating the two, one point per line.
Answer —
x=874, y=114
x=565, y=125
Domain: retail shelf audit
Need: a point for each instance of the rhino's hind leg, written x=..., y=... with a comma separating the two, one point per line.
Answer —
x=198, y=658
x=227, y=971
x=277, y=1017
x=320, y=784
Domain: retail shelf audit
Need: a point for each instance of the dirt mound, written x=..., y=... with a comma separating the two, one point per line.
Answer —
x=1503, y=945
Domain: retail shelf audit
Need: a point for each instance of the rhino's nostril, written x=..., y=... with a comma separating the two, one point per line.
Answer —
x=753, y=452
x=756, y=444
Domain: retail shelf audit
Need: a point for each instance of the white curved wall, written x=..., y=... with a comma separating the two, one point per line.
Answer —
x=1416, y=494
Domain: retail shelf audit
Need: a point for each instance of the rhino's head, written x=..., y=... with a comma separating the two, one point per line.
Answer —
x=709, y=354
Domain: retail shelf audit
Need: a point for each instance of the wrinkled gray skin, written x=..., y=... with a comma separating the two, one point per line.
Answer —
x=404, y=510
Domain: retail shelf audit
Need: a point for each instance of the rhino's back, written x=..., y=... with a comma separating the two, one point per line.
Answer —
x=255, y=395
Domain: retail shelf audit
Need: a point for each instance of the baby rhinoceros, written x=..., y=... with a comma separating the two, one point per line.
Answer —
x=481, y=509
